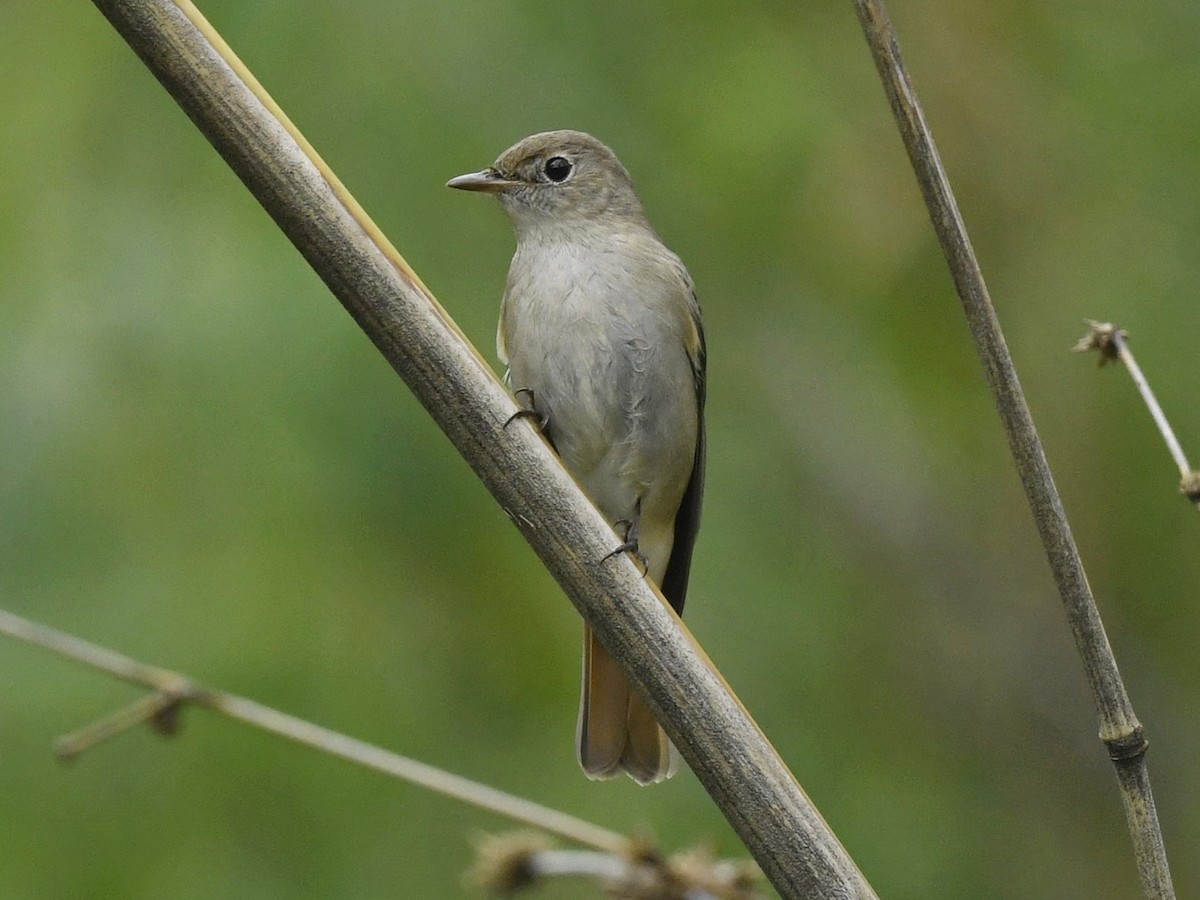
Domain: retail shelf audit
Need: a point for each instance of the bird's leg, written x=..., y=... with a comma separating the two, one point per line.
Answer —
x=528, y=411
x=629, y=541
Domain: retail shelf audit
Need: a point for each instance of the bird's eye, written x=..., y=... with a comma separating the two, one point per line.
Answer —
x=557, y=168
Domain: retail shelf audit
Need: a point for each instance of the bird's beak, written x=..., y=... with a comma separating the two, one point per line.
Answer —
x=489, y=181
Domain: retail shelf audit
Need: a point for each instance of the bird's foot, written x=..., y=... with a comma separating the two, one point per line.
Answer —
x=629, y=545
x=528, y=412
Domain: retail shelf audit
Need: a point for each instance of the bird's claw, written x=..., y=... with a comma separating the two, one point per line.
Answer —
x=528, y=412
x=629, y=545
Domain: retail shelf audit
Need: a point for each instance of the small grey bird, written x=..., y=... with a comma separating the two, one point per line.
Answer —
x=600, y=330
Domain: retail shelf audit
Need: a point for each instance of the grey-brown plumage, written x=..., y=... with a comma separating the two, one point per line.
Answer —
x=601, y=327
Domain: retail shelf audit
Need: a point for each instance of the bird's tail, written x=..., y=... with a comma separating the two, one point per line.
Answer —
x=617, y=732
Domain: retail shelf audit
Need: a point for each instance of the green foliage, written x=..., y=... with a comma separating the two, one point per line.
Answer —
x=205, y=465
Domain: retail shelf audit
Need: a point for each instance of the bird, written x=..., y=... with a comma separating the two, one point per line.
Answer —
x=601, y=333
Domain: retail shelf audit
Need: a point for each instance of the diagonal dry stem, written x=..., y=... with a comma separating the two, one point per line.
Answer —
x=1113, y=343
x=1119, y=728
x=715, y=734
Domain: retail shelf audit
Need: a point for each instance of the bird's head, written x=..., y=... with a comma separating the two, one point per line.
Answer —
x=557, y=179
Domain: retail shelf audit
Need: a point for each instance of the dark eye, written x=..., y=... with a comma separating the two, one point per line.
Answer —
x=557, y=168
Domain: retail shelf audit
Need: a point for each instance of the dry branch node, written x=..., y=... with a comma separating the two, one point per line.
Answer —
x=1189, y=486
x=1127, y=746
x=1104, y=337
x=504, y=864
x=160, y=710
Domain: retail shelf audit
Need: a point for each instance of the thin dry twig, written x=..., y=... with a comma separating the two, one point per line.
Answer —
x=718, y=738
x=171, y=690
x=1112, y=343
x=509, y=863
x=1119, y=728
x=624, y=867
x=160, y=710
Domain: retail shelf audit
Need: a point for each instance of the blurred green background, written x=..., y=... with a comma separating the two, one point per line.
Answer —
x=205, y=465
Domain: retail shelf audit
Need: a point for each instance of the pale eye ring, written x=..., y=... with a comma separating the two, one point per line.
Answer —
x=557, y=168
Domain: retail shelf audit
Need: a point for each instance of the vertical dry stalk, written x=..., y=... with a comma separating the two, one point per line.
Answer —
x=1119, y=728
x=715, y=734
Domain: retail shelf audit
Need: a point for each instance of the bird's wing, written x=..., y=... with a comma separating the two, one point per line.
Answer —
x=687, y=519
x=501, y=343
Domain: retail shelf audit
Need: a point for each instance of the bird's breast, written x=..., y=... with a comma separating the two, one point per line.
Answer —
x=599, y=341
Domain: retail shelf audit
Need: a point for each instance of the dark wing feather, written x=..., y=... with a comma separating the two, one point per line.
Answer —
x=687, y=519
